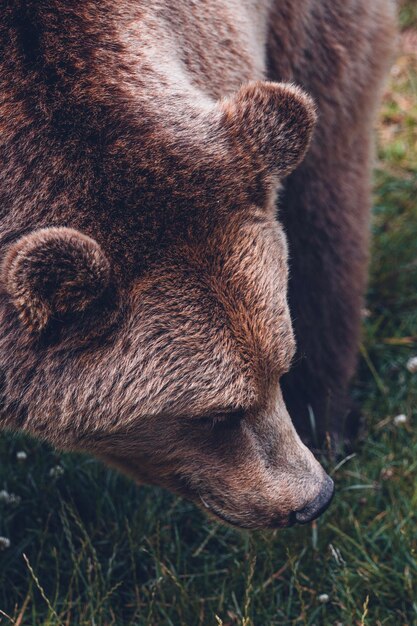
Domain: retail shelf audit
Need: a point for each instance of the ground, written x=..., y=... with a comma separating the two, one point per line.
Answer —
x=87, y=547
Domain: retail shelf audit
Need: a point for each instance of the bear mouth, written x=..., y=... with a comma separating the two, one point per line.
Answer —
x=222, y=516
x=278, y=522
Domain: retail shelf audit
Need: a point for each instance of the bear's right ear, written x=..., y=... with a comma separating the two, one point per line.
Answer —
x=267, y=128
x=54, y=271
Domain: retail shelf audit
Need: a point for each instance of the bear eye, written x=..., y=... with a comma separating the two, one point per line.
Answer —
x=227, y=419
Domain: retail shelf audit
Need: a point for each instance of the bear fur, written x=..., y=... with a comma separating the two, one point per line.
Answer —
x=145, y=148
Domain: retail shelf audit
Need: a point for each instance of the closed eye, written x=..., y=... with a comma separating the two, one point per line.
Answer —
x=228, y=419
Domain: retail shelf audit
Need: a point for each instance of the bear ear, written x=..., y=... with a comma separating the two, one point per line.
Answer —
x=269, y=126
x=54, y=271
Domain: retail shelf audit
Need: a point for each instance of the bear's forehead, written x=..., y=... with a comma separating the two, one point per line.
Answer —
x=235, y=280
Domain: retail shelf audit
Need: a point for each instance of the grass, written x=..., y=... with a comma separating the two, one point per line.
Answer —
x=90, y=548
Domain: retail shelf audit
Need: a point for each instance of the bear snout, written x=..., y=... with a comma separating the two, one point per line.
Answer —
x=318, y=505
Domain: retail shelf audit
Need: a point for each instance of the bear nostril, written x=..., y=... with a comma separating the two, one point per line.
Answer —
x=317, y=506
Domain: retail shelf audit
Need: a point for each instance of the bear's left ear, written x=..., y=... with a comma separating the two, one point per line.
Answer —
x=54, y=271
x=268, y=127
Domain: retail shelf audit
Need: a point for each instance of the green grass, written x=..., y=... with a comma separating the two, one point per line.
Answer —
x=90, y=548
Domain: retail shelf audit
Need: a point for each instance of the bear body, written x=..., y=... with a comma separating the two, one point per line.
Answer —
x=144, y=306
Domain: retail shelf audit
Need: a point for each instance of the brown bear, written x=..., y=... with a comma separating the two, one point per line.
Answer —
x=143, y=305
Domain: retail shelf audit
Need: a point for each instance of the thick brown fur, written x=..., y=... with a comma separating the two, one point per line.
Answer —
x=144, y=307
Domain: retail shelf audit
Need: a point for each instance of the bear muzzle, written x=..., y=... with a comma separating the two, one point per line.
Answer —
x=318, y=505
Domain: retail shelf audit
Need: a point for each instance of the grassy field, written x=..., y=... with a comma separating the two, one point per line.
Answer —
x=87, y=547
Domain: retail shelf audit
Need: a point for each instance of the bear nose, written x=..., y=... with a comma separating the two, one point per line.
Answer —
x=317, y=506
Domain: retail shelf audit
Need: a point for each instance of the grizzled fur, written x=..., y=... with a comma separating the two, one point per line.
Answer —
x=143, y=304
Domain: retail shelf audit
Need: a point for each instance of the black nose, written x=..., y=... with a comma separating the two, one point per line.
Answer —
x=320, y=503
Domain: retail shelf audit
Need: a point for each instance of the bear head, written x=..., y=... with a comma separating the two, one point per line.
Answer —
x=157, y=342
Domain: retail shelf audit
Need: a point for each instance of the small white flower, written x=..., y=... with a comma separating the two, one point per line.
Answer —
x=399, y=420
x=4, y=543
x=9, y=498
x=395, y=70
x=56, y=472
x=21, y=455
x=412, y=365
x=323, y=598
